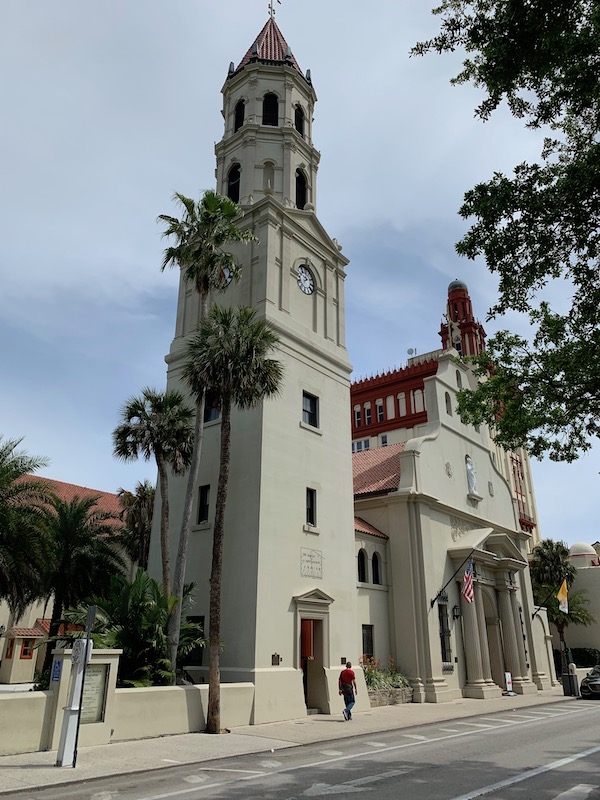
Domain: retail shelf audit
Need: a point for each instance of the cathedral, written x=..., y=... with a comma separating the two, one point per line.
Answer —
x=354, y=510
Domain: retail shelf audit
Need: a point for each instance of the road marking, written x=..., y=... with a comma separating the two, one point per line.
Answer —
x=579, y=792
x=475, y=724
x=337, y=759
x=331, y=752
x=448, y=730
x=524, y=776
x=521, y=716
x=195, y=778
x=319, y=789
x=269, y=764
x=171, y=760
x=376, y=744
x=413, y=736
x=243, y=771
x=500, y=722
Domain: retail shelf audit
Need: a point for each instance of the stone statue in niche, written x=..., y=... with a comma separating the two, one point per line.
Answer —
x=471, y=477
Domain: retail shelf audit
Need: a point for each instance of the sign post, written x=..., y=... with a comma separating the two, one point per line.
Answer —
x=69, y=734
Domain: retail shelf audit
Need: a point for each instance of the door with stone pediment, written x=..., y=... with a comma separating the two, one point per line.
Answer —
x=313, y=647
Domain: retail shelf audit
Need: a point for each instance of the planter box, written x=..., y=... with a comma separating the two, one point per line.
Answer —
x=390, y=697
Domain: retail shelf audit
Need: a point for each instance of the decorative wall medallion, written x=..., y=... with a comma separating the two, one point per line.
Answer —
x=448, y=469
x=491, y=488
x=458, y=528
x=311, y=563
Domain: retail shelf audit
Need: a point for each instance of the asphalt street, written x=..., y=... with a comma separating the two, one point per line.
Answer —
x=551, y=752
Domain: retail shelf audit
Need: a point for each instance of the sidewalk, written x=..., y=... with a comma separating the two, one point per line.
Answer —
x=33, y=770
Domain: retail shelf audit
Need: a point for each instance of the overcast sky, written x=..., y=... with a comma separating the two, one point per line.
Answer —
x=108, y=108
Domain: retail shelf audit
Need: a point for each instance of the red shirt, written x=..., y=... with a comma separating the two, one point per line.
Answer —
x=347, y=676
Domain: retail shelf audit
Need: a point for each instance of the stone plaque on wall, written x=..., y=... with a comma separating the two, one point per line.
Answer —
x=311, y=563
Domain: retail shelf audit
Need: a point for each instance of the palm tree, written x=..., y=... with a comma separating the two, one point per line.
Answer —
x=23, y=547
x=83, y=559
x=157, y=424
x=228, y=355
x=551, y=564
x=205, y=229
x=578, y=614
x=138, y=508
x=133, y=617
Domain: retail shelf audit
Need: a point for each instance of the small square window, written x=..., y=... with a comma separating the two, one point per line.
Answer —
x=311, y=507
x=27, y=648
x=203, y=504
x=310, y=409
x=384, y=439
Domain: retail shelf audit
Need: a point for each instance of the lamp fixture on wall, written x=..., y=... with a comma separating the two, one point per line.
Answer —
x=455, y=612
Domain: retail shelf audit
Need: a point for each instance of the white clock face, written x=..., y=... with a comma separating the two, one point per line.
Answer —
x=306, y=282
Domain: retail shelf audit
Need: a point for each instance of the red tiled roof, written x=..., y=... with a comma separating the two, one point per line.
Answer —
x=107, y=501
x=360, y=526
x=26, y=633
x=270, y=46
x=377, y=471
x=44, y=625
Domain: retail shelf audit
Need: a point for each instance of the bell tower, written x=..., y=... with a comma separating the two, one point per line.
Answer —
x=289, y=612
x=268, y=105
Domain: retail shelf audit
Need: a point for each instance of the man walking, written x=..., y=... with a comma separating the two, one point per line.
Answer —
x=347, y=687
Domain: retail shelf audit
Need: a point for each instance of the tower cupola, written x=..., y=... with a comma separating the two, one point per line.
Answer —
x=268, y=105
x=460, y=329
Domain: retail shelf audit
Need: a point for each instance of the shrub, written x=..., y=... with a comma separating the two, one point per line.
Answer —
x=378, y=677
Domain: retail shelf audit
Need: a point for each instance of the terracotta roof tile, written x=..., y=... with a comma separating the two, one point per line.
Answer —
x=44, y=625
x=377, y=471
x=26, y=633
x=360, y=526
x=270, y=46
x=107, y=501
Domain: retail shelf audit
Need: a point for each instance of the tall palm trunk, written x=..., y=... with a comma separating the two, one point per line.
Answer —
x=174, y=626
x=164, y=524
x=213, y=718
x=57, y=613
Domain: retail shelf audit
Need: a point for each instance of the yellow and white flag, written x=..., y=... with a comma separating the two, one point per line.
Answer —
x=563, y=603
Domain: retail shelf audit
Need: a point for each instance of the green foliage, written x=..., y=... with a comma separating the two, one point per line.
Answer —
x=82, y=560
x=138, y=509
x=24, y=549
x=134, y=616
x=206, y=227
x=586, y=656
x=228, y=357
x=540, y=224
x=551, y=565
x=378, y=677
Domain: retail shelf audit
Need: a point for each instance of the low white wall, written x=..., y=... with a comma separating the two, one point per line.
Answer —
x=25, y=719
x=162, y=710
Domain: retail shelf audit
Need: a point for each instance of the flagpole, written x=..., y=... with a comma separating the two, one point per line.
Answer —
x=541, y=605
x=450, y=581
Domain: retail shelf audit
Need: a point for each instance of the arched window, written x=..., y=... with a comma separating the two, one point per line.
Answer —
x=376, y=569
x=448, y=405
x=362, y=566
x=458, y=379
x=418, y=403
x=233, y=183
x=300, y=189
x=269, y=176
x=299, y=119
x=270, y=110
x=240, y=111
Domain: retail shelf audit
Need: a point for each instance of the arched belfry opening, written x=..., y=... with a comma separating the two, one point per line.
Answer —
x=233, y=183
x=239, y=116
x=301, y=189
x=299, y=119
x=270, y=115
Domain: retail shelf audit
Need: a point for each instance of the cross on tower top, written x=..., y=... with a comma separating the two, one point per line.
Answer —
x=272, y=8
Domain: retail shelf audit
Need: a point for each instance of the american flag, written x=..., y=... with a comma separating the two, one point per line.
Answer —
x=467, y=587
